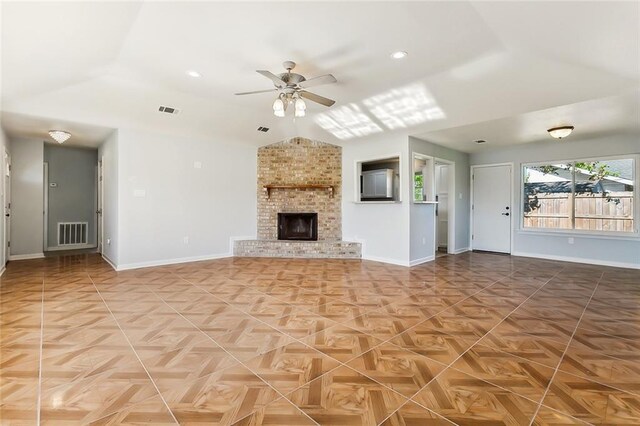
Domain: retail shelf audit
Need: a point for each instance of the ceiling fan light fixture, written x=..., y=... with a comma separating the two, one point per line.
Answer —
x=560, y=132
x=300, y=104
x=59, y=136
x=278, y=107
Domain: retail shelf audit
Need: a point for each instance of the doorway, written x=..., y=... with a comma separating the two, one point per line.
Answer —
x=6, y=182
x=100, y=201
x=442, y=208
x=444, y=180
x=491, y=207
x=71, y=205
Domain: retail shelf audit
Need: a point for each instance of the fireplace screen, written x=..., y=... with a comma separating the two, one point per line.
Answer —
x=298, y=226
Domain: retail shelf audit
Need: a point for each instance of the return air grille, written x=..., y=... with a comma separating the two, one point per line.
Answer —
x=169, y=110
x=72, y=233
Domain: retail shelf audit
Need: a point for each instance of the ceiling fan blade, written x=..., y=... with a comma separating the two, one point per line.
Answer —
x=271, y=76
x=256, y=91
x=317, y=81
x=317, y=98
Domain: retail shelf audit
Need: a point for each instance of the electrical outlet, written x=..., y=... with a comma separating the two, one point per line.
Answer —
x=185, y=240
x=197, y=164
x=108, y=241
x=424, y=241
x=571, y=240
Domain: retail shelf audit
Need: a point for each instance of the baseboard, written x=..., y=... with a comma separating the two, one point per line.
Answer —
x=174, y=261
x=578, y=260
x=2, y=270
x=422, y=260
x=110, y=262
x=72, y=247
x=462, y=250
x=385, y=260
x=26, y=256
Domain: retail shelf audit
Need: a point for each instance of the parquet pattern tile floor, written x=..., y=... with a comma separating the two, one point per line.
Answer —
x=467, y=339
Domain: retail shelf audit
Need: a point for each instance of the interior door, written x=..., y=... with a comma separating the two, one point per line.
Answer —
x=491, y=209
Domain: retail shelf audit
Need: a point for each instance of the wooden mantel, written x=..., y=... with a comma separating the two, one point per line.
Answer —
x=268, y=188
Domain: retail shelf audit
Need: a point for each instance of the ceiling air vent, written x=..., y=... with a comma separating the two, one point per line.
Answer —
x=263, y=129
x=169, y=110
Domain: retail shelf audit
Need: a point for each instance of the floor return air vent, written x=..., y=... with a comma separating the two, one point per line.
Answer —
x=72, y=233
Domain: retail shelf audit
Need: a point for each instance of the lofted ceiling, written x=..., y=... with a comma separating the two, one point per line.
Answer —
x=518, y=65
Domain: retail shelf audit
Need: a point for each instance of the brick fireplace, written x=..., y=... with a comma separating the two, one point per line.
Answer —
x=299, y=176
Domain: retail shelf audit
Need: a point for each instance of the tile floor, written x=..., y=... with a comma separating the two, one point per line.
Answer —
x=467, y=339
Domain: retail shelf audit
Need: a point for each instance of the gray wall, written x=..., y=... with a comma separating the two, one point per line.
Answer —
x=74, y=197
x=27, y=197
x=422, y=216
x=622, y=251
x=108, y=153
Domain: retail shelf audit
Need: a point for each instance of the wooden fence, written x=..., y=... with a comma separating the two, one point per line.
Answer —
x=592, y=212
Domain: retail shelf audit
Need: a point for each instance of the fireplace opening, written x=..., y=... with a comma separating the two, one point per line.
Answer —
x=298, y=226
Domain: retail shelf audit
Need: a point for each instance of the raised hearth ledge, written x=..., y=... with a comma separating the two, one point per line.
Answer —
x=298, y=249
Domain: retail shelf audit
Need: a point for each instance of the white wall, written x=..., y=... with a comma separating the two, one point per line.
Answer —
x=4, y=143
x=422, y=216
x=164, y=199
x=108, y=153
x=590, y=249
x=382, y=228
x=27, y=202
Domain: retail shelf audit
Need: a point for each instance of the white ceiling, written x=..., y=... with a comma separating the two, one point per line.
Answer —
x=111, y=64
x=25, y=126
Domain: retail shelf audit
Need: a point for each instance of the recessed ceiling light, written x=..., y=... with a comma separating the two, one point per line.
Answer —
x=194, y=74
x=560, y=132
x=399, y=54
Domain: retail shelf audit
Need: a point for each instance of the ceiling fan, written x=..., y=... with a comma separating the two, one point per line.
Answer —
x=292, y=88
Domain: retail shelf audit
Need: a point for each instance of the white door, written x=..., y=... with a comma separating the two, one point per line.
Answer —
x=491, y=208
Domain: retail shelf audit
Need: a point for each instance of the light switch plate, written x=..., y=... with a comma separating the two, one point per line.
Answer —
x=139, y=193
x=197, y=164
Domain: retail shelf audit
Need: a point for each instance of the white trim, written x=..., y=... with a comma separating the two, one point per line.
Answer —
x=610, y=235
x=110, y=262
x=511, y=233
x=422, y=260
x=72, y=247
x=580, y=232
x=386, y=260
x=2, y=270
x=26, y=256
x=152, y=263
x=578, y=260
x=45, y=215
x=462, y=250
x=232, y=241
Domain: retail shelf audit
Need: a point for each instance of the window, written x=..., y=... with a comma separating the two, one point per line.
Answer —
x=585, y=195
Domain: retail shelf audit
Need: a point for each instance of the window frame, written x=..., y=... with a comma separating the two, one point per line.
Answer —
x=573, y=232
